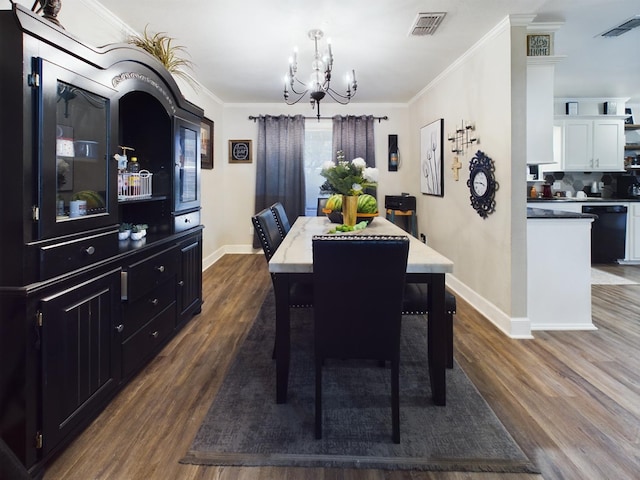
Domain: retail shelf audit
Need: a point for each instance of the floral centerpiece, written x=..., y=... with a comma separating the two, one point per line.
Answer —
x=349, y=179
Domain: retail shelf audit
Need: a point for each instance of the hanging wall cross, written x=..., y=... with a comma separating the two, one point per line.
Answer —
x=455, y=168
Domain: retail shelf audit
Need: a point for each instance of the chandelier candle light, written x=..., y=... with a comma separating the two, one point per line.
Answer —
x=320, y=81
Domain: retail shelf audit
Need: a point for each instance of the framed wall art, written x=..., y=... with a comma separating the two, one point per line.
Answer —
x=539, y=44
x=432, y=159
x=206, y=143
x=240, y=151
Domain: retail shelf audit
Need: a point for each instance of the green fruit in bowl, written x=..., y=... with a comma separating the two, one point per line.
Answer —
x=334, y=203
x=367, y=204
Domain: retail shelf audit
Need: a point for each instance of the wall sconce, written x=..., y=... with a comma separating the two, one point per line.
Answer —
x=394, y=153
x=461, y=138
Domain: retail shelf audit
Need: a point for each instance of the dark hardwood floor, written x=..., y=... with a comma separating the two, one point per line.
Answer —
x=570, y=399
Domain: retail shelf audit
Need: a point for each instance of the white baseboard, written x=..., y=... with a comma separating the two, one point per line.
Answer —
x=218, y=254
x=567, y=326
x=514, y=327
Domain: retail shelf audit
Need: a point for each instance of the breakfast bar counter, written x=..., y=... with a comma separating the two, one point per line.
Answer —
x=559, y=270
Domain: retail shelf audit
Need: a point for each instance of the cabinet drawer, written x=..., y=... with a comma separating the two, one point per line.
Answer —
x=145, y=275
x=186, y=221
x=64, y=257
x=137, y=313
x=139, y=347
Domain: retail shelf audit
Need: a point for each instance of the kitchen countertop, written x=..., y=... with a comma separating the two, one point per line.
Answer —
x=556, y=214
x=583, y=200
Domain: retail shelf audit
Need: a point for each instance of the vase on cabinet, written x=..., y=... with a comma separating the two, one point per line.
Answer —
x=349, y=209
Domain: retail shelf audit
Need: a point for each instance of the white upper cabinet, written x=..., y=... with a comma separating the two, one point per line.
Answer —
x=592, y=144
x=540, y=73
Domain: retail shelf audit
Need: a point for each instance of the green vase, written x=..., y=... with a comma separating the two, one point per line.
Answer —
x=349, y=209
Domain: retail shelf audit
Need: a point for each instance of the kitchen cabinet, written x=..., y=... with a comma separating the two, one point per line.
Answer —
x=632, y=238
x=559, y=273
x=80, y=310
x=592, y=144
x=540, y=107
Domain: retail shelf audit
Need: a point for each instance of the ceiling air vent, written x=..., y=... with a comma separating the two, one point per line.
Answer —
x=624, y=27
x=426, y=23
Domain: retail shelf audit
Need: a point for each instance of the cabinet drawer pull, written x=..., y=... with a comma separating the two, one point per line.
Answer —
x=181, y=283
x=154, y=302
x=187, y=220
x=120, y=328
x=155, y=334
x=160, y=268
x=90, y=250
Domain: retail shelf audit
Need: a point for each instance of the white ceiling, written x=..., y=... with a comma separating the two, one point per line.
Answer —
x=240, y=48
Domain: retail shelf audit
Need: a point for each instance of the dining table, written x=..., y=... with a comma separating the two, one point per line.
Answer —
x=293, y=262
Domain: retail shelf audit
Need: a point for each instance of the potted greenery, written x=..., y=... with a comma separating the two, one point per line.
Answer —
x=124, y=231
x=138, y=231
x=160, y=46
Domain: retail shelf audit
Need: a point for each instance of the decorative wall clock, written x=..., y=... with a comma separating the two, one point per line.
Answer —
x=482, y=184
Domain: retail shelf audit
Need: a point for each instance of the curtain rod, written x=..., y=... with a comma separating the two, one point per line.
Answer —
x=251, y=117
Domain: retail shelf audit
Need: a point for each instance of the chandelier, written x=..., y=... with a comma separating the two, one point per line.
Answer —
x=319, y=83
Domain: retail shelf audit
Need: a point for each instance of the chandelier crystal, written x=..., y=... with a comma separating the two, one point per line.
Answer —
x=319, y=83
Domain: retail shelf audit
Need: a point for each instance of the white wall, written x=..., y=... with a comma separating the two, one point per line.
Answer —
x=239, y=179
x=482, y=87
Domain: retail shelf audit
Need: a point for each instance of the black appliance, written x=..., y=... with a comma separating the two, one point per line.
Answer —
x=608, y=232
x=625, y=184
x=399, y=202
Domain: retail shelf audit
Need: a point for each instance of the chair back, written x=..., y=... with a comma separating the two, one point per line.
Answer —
x=281, y=218
x=358, y=284
x=268, y=232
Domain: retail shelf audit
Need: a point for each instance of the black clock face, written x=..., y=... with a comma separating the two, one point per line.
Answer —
x=482, y=184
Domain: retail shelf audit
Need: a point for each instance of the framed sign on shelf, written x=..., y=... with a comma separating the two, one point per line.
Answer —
x=206, y=143
x=539, y=45
x=432, y=159
x=240, y=151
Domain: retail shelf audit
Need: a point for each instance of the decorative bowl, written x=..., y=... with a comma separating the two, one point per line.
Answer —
x=336, y=216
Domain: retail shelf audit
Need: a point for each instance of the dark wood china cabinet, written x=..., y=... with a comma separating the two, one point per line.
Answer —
x=82, y=311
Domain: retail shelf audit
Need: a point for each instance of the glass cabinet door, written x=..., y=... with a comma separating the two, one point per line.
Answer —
x=76, y=161
x=187, y=165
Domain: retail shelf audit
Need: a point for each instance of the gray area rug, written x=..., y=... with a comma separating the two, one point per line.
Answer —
x=245, y=426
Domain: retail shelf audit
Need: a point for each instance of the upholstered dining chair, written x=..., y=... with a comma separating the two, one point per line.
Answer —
x=415, y=302
x=268, y=232
x=281, y=218
x=358, y=284
x=264, y=222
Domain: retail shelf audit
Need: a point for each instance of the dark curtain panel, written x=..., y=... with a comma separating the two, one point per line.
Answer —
x=354, y=136
x=280, y=165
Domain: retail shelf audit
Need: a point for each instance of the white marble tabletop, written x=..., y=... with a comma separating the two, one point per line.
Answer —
x=295, y=254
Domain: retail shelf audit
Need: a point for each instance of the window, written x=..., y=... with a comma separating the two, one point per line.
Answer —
x=318, y=139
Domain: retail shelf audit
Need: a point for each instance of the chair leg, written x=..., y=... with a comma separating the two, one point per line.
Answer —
x=319, y=362
x=450, y=305
x=449, y=340
x=395, y=399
